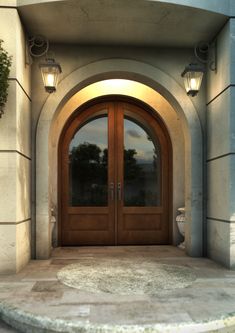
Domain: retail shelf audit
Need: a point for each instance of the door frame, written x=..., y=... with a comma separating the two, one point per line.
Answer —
x=114, y=98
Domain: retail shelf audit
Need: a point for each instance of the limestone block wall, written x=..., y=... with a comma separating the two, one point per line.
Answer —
x=15, y=150
x=221, y=151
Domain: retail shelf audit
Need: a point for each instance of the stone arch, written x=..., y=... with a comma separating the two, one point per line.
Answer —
x=173, y=94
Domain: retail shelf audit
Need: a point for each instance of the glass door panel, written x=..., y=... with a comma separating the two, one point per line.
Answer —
x=88, y=164
x=142, y=166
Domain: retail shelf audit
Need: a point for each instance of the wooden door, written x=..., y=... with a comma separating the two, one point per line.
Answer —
x=115, y=177
x=87, y=178
x=143, y=178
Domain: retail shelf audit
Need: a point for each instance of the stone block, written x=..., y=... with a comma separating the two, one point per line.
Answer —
x=15, y=186
x=11, y=31
x=225, y=74
x=232, y=8
x=221, y=188
x=15, y=247
x=23, y=122
x=8, y=249
x=218, y=241
x=221, y=242
x=8, y=121
x=8, y=187
x=11, y=3
x=8, y=19
x=23, y=247
x=15, y=124
x=221, y=125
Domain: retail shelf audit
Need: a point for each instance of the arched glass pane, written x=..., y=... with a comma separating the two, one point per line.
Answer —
x=88, y=163
x=142, y=165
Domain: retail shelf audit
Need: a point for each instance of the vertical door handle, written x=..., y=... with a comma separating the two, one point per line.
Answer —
x=111, y=187
x=119, y=187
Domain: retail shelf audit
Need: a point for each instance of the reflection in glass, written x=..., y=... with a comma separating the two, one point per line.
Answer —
x=141, y=166
x=88, y=162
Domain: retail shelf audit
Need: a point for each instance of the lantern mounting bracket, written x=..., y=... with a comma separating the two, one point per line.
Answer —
x=206, y=53
x=192, y=75
x=38, y=46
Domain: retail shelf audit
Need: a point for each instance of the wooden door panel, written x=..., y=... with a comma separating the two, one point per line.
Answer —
x=88, y=222
x=149, y=222
x=88, y=210
x=90, y=237
x=143, y=210
x=138, y=237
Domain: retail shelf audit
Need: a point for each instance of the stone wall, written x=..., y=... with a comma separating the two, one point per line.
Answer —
x=221, y=150
x=15, y=151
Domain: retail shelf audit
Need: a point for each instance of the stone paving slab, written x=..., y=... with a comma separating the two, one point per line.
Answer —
x=35, y=301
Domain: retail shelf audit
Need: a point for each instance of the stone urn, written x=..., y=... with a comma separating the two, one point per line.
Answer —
x=180, y=219
x=53, y=228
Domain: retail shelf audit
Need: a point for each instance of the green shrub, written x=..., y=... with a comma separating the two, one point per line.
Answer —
x=5, y=65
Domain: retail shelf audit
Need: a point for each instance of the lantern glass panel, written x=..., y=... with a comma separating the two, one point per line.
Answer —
x=192, y=82
x=50, y=75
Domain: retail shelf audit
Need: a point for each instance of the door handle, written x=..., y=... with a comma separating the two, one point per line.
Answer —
x=111, y=187
x=119, y=188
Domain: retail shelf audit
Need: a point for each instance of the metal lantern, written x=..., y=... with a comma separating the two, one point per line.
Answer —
x=192, y=75
x=50, y=71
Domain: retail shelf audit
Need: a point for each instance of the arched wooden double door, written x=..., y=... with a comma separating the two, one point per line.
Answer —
x=114, y=177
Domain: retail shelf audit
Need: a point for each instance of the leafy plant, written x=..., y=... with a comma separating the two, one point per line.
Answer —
x=5, y=65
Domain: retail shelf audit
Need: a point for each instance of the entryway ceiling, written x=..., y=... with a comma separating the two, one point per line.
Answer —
x=120, y=22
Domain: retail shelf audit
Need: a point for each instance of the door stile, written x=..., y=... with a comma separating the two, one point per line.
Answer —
x=64, y=192
x=115, y=140
x=120, y=168
x=111, y=170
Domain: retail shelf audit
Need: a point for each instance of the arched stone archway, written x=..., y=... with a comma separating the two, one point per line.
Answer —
x=65, y=102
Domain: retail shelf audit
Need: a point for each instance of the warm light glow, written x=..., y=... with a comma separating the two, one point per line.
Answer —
x=116, y=84
x=193, y=84
x=123, y=87
x=50, y=80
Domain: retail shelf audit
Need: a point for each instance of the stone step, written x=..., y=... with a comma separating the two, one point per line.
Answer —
x=4, y=328
x=26, y=322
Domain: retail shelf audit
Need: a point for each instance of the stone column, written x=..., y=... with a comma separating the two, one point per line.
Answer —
x=15, y=149
x=221, y=151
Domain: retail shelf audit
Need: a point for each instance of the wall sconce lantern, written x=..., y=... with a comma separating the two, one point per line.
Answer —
x=193, y=73
x=50, y=71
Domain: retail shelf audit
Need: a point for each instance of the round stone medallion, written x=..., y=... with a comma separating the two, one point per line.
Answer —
x=125, y=277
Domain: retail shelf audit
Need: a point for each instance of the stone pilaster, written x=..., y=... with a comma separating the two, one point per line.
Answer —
x=15, y=150
x=221, y=151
